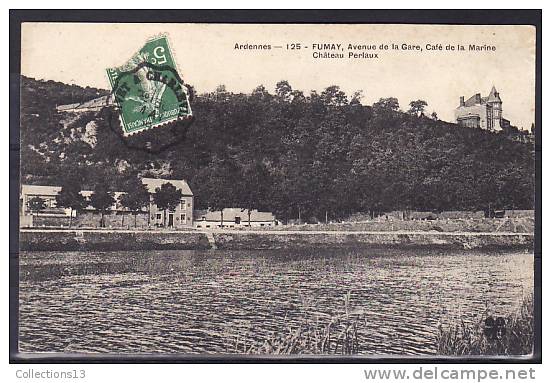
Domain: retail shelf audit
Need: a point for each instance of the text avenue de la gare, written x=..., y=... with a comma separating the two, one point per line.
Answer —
x=369, y=50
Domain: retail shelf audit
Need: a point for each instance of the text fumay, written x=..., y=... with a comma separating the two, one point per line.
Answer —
x=363, y=50
x=371, y=51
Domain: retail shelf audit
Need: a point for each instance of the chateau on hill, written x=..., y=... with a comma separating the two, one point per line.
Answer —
x=482, y=112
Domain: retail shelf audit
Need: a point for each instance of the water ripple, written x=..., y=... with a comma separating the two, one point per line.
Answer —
x=210, y=302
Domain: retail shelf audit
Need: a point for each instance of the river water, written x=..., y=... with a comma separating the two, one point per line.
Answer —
x=225, y=301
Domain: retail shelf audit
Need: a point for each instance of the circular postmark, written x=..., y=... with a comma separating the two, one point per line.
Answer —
x=152, y=107
x=150, y=99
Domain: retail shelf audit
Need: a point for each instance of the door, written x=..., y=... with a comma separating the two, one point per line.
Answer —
x=170, y=220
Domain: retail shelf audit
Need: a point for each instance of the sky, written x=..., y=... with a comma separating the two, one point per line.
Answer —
x=79, y=53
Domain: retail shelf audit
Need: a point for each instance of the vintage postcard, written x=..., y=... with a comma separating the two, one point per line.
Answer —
x=277, y=190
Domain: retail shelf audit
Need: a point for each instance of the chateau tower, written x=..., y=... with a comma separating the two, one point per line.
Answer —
x=494, y=109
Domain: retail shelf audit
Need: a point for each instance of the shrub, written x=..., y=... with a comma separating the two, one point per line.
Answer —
x=517, y=337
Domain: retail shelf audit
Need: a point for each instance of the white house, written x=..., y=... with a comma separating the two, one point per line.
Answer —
x=182, y=216
x=233, y=217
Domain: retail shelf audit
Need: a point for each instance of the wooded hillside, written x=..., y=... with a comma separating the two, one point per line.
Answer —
x=286, y=152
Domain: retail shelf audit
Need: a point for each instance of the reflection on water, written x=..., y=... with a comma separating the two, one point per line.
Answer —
x=207, y=301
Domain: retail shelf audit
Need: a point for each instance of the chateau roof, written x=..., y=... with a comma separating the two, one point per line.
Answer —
x=494, y=95
x=477, y=100
x=474, y=100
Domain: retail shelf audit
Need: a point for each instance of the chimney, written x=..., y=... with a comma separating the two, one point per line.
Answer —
x=462, y=101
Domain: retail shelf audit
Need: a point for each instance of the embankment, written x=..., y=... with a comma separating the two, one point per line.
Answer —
x=289, y=240
x=85, y=240
x=103, y=240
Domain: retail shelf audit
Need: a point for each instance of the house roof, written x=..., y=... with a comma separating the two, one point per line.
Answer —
x=150, y=183
x=42, y=190
x=116, y=196
x=88, y=193
x=153, y=183
x=231, y=213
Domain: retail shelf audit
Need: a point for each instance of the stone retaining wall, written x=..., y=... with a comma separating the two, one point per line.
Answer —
x=111, y=241
x=82, y=240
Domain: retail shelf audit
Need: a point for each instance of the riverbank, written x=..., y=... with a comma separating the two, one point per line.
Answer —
x=464, y=225
x=362, y=239
x=112, y=240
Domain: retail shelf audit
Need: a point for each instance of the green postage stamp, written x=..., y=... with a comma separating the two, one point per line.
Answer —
x=148, y=90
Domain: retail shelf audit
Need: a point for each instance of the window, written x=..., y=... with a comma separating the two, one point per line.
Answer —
x=183, y=217
x=159, y=216
x=237, y=220
x=183, y=204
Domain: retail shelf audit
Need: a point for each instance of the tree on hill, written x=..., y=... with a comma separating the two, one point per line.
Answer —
x=334, y=96
x=417, y=107
x=284, y=91
x=135, y=199
x=387, y=104
x=167, y=197
x=102, y=200
x=36, y=204
x=69, y=197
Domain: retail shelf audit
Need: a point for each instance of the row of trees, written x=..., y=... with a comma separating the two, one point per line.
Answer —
x=299, y=155
x=134, y=200
x=327, y=155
